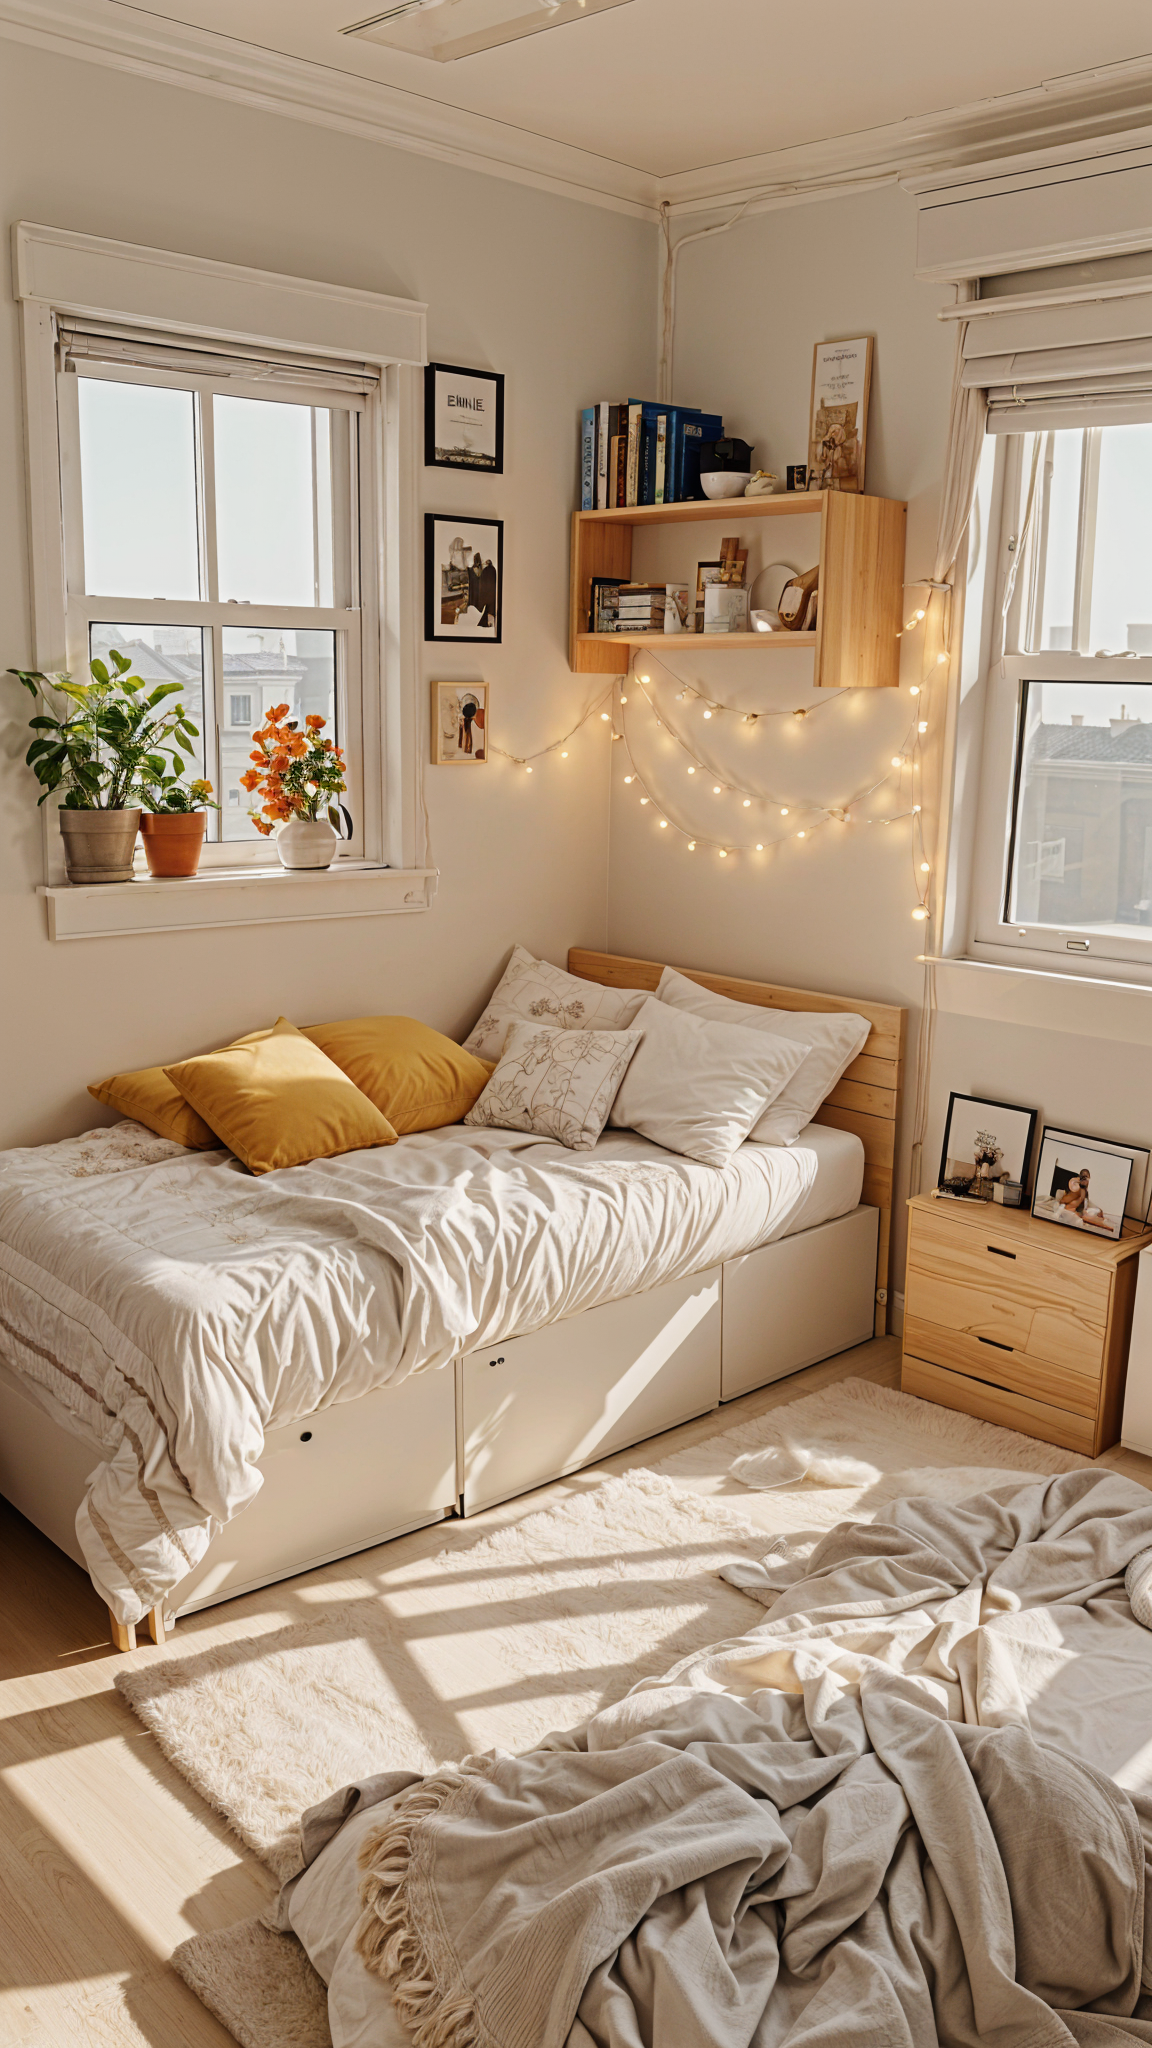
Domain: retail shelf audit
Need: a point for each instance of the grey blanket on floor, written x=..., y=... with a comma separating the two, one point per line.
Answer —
x=804, y=1836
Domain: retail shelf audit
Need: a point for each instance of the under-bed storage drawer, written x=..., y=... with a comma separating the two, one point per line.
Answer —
x=336, y=1482
x=534, y=1407
x=798, y=1300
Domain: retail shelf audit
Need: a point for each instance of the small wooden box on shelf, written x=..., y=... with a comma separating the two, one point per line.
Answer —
x=856, y=643
x=1019, y=1321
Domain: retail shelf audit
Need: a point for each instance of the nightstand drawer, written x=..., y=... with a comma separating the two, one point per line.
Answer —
x=982, y=1284
x=982, y=1359
x=993, y=1404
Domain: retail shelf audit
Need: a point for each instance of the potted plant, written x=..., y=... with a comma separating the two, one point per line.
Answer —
x=115, y=733
x=173, y=825
x=296, y=774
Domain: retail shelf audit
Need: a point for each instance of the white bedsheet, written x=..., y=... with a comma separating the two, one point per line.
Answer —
x=175, y=1307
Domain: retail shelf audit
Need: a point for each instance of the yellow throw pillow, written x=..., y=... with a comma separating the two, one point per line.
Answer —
x=149, y=1097
x=416, y=1077
x=278, y=1100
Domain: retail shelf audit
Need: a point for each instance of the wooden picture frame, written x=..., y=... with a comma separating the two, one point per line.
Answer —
x=463, y=418
x=463, y=579
x=458, y=724
x=838, y=414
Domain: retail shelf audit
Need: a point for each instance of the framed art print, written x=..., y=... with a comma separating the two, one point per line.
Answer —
x=838, y=420
x=1080, y=1186
x=459, y=724
x=463, y=578
x=1140, y=1184
x=984, y=1142
x=463, y=418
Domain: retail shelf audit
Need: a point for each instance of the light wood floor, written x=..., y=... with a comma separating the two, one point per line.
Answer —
x=107, y=1858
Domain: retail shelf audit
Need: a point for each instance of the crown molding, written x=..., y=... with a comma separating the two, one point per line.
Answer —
x=1085, y=110
x=124, y=38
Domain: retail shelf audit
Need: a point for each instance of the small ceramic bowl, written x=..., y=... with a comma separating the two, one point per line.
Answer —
x=725, y=483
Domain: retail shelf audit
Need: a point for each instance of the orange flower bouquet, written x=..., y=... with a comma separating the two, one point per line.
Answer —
x=295, y=773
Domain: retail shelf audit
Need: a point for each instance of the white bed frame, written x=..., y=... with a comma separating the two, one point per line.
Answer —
x=515, y=1415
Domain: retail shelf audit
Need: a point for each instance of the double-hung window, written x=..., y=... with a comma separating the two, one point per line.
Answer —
x=212, y=533
x=1061, y=854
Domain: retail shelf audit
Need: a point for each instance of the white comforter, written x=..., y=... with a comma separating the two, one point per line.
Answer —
x=172, y=1307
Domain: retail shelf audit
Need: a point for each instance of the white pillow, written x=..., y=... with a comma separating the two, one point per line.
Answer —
x=698, y=1088
x=559, y=1084
x=534, y=989
x=833, y=1038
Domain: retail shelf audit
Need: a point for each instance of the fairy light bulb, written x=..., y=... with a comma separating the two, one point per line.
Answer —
x=645, y=679
x=606, y=715
x=564, y=751
x=716, y=789
x=643, y=799
x=627, y=778
x=707, y=714
x=747, y=803
x=897, y=760
x=527, y=767
x=920, y=615
x=924, y=868
x=801, y=835
x=922, y=726
x=723, y=853
x=691, y=846
x=913, y=689
x=663, y=824
x=915, y=809
x=800, y=714
x=920, y=914
x=691, y=771
x=941, y=661
x=784, y=812
x=623, y=698
x=759, y=846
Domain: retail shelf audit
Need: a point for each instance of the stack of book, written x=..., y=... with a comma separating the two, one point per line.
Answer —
x=651, y=608
x=642, y=453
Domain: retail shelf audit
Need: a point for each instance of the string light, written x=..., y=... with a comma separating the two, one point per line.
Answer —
x=663, y=824
x=607, y=717
x=564, y=754
x=913, y=690
x=708, y=712
x=920, y=914
x=560, y=746
x=924, y=868
x=747, y=803
x=922, y=725
x=897, y=760
x=627, y=778
x=692, y=770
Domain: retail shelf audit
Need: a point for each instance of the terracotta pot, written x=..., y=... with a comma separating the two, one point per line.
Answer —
x=98, y=845
x=307, y=843
x=172, y=842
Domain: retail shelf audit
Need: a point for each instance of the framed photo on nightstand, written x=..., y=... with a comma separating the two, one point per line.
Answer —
x=985, y=1143
x=1080, y=1186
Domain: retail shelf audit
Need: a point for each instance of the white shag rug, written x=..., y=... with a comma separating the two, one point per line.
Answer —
x=561, y=1612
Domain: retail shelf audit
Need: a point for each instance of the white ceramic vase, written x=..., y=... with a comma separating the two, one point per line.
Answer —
x=307, y=843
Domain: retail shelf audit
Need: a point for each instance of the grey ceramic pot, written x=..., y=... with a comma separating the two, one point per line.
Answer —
x=98, y=845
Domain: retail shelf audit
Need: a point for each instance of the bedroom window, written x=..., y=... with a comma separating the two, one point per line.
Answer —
x=211, y=530
x=1063, y=867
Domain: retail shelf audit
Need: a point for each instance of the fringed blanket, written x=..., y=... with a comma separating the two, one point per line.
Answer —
x=838, y=1831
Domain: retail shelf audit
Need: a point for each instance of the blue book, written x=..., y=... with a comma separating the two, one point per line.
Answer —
x=588, y=459
x=678, y=418
x=647, y=492
x=701, y=427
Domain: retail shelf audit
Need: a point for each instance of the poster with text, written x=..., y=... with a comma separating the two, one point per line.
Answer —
x=838, y=423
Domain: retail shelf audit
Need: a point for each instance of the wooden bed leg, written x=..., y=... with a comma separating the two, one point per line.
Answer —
x=154, y=1621
x=123, y=1632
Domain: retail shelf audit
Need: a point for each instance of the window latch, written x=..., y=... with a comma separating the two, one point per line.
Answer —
x=1077, y=945
x=1012, y=544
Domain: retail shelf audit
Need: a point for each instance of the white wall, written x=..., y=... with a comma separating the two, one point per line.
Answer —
x=834, y=912
x=559, y=296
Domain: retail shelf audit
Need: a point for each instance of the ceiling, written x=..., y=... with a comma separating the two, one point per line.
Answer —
x=693, y=102
x=665, y=86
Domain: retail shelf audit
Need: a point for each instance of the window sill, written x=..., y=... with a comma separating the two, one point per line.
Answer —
x=1042, y=998
x=235, y=896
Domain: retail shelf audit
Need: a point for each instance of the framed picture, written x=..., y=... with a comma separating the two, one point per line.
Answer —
x=838, y=419
x=1140, y=1185
x=1081, y=1186
x=706, y=573
x=984, y=1142
x=463, y=578
x=459, y=724
x=463, y=418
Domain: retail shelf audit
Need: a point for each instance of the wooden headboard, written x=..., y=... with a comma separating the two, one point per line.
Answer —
x=865, y=1100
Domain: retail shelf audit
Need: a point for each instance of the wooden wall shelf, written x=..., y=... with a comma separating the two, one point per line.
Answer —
x=856, y=642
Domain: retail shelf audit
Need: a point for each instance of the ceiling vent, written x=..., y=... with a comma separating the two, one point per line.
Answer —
x=447, y=29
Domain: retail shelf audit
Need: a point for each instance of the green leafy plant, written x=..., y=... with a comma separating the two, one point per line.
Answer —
x=115, y=741
x=169, y=796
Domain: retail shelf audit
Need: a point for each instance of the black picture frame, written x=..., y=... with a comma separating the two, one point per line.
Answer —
x=1094, y=1160
x=464, y=533
x=481, y=462
x=1013, y=1109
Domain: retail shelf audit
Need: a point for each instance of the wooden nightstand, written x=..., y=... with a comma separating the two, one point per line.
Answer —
x=1021, y=1322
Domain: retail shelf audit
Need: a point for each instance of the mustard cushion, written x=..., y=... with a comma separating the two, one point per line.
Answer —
x=150, y=1098
x=416, y=1077
x=275, y=1099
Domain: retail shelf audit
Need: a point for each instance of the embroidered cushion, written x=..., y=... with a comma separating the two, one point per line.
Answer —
x=557, y=1084
x=538, y=992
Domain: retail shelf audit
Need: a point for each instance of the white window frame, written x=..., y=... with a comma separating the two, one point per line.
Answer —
x=60, y=276
x=355, y=622
x=1084, y=951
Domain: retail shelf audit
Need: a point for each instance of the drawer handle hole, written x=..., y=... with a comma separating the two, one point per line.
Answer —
x=306, y=1436
x=495, y=1361
x=1000, y=1252
x=995, y=1346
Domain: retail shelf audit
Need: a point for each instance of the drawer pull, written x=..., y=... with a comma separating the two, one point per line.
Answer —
x=495, y=1361
x=995, y=1346
x=1000, y=1252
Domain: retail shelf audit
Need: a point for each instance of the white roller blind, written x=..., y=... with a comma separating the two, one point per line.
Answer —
x=81, y=343
x=1062, y=359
